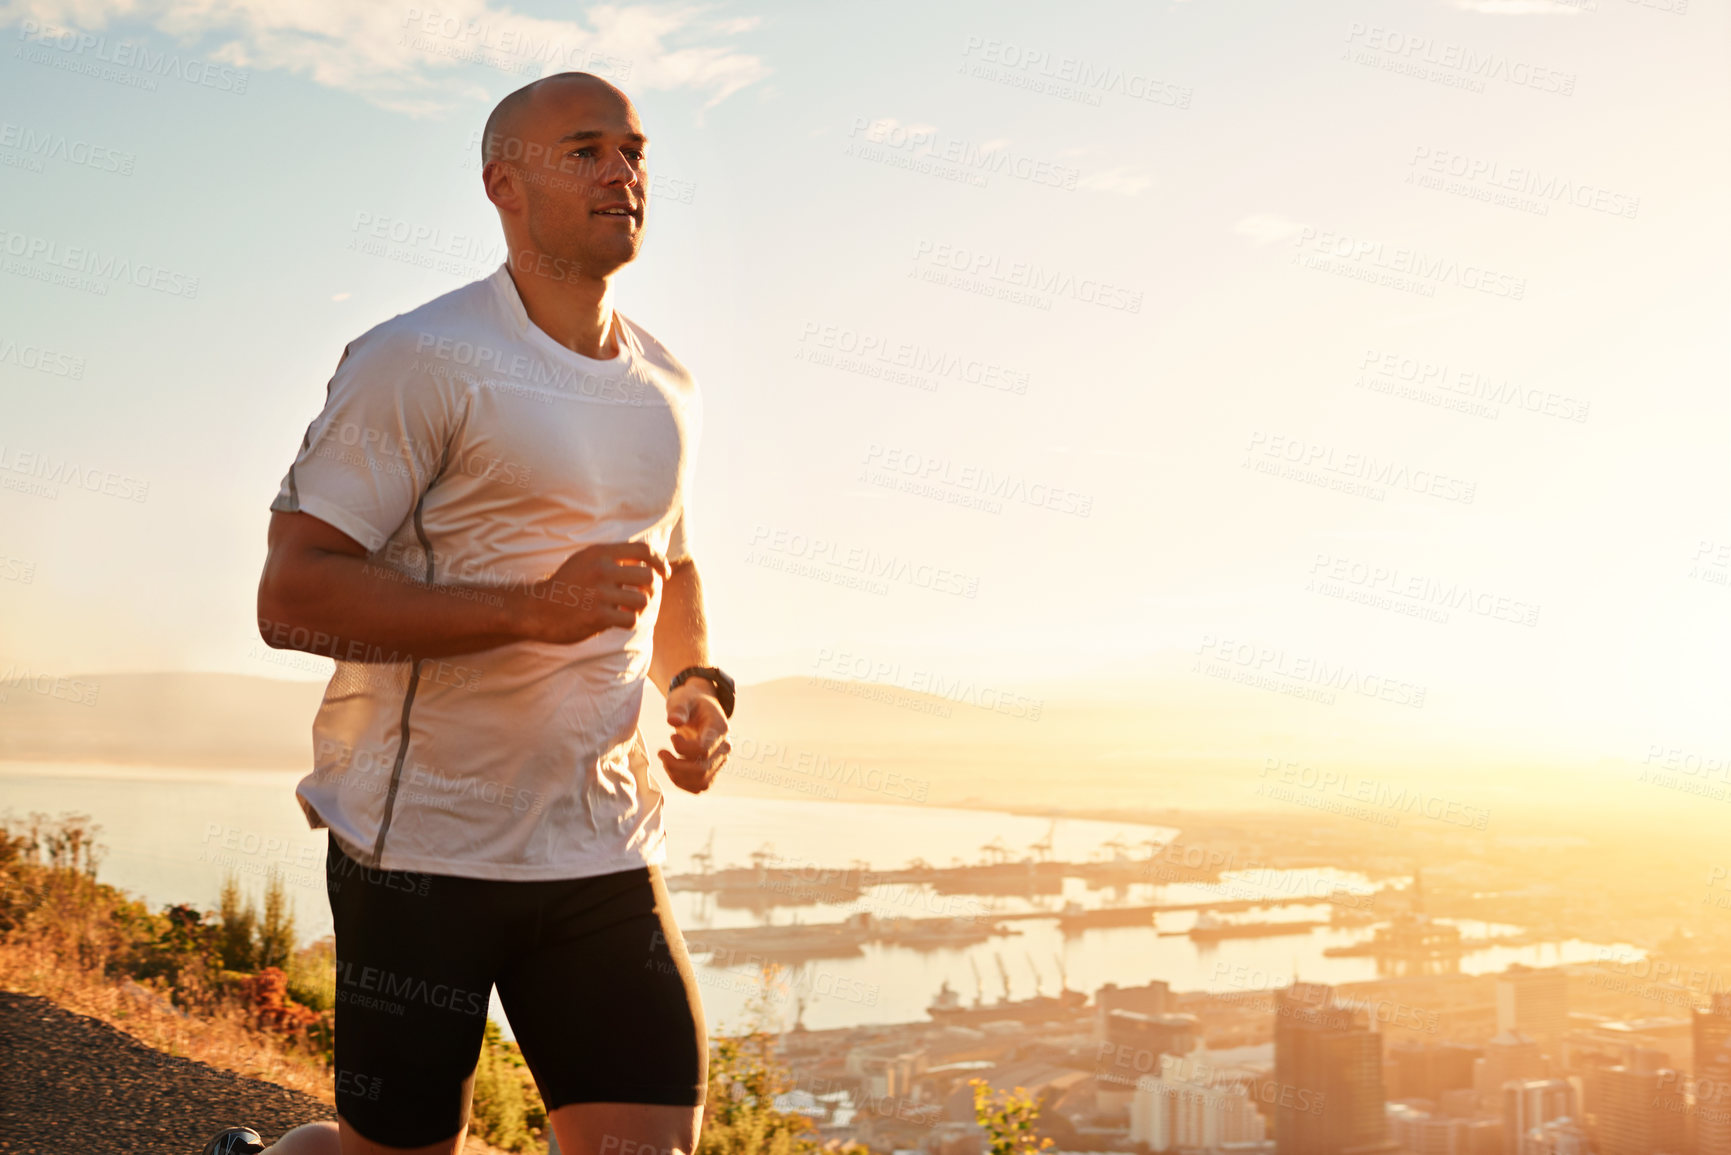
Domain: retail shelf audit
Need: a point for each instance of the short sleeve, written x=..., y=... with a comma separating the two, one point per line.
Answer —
x=377, y=445
x=677, y=549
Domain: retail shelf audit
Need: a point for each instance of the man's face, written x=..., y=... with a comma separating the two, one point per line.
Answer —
x=580, y=157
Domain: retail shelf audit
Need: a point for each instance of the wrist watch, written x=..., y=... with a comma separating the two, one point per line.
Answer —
x=722, y=683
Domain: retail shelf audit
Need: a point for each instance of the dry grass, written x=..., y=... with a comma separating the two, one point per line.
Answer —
x=221, y=1038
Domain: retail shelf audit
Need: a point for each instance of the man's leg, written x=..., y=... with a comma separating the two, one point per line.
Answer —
x=416, y=956
x=606, y=1010
x=626, y=1129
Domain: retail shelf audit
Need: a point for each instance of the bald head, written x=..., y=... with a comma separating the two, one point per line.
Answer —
x=565, y=162
x=504, y=136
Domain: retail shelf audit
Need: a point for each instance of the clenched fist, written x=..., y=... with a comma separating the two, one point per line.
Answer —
x=599, y=587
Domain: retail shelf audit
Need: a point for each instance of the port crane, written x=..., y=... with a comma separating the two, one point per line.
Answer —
x=1039, y=983
x=704, y=859
x=1043, y=848
x=1004, y=974
x=979, y=987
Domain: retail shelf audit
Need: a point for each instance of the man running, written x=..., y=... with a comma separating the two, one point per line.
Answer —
x=486, y=527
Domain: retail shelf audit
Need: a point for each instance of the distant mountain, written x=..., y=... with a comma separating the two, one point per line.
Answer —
x=180, y=719
x=1192, y=743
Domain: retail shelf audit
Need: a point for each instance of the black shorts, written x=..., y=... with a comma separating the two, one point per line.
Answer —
x=592, y=972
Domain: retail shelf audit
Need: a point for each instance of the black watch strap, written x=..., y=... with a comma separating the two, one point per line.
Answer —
x=722, y=683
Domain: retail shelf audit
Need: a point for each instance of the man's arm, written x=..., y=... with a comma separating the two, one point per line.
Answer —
x=320, y=593
x=700, y=743
x=681, y=631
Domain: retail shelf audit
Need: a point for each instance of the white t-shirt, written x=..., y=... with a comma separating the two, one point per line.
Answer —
x=462, y=445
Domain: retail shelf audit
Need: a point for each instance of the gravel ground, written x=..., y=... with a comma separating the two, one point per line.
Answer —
x=69, y=1083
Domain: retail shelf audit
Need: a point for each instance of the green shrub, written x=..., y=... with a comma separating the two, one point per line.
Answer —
x=312, y=975
x=506, y=1110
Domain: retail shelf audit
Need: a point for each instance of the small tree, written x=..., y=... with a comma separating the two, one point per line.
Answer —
x=745, y=1077
x=1009, y=1120
x=276, y=934
x=239, y=926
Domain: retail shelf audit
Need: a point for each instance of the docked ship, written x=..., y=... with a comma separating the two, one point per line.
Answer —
x=1074, y=916
x=948, y=1007
x=1208, y=928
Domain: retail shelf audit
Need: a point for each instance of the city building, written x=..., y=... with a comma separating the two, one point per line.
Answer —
x=1711, y=1050
x=1534, y=1003
x=1529, y=1104
x=1508, y=1057
x=1328, y=1071
x=1711, y=1030
x=1712, y=1105
x=1193, y=1116
x=1636, y=1112
x=1428, y=1070
x=1558, y=1137
x=1419, y=1132
x=1137, y=1041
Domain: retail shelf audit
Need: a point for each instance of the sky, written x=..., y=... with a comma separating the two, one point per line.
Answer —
x=1125, y=344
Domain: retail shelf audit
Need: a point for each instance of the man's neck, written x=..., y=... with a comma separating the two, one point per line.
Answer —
x=577, y=312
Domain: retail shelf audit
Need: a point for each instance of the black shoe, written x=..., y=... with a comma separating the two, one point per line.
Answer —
x=235, y=1141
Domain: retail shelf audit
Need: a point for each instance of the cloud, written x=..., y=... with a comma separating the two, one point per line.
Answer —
x=421, y=57
x=1266, y=229
x=1122, y=181
x=1519, y=7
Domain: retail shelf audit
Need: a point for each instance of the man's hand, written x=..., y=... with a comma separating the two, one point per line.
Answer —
x=700, y=743
x=597, y=588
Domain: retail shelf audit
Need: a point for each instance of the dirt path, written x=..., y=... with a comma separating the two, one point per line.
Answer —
x=72, y=1083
